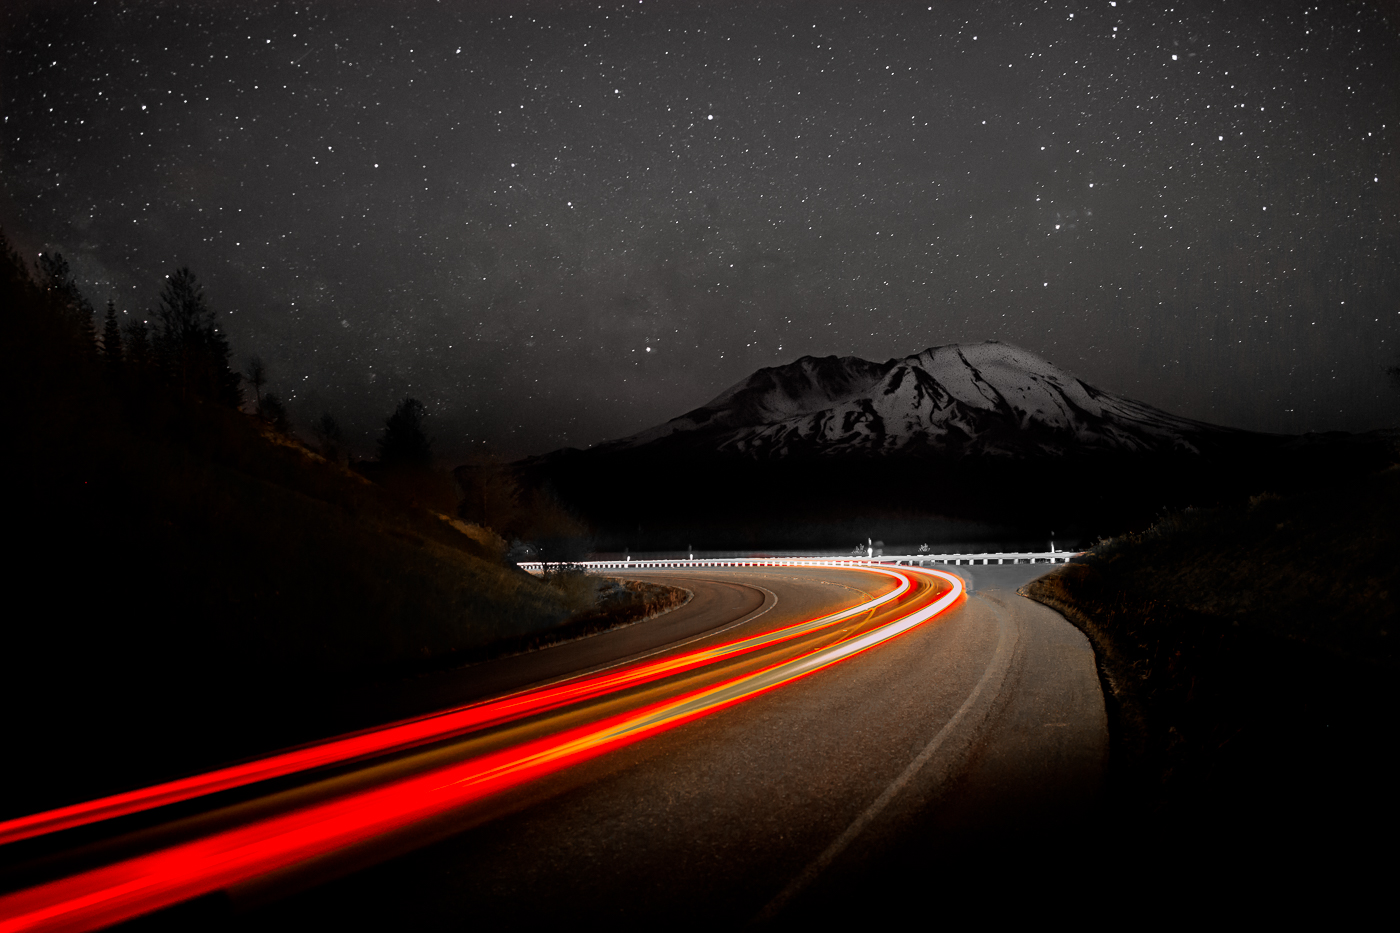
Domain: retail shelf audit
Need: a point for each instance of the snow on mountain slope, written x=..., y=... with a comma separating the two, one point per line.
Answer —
x=988, y=398
x=773, y=394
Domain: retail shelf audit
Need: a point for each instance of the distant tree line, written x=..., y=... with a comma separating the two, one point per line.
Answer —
x=404, y=441
x=185, y=352
x=160, y=369
x=184, y=355
x=181, y=355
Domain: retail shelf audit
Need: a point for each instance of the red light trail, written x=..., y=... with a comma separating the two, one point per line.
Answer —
x=413, y=732
x=138, y=885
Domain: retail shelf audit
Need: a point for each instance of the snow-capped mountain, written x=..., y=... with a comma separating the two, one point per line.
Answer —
x=821, y=449
x=984, y=399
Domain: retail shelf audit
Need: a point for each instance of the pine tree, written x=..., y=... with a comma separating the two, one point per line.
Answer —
x=403, y=442
x=329, y=438
x=192, y=351
x=256, y=374
x=137, y=355
x=271, y=410
x=112, y=341
x=69, y=307
x=15, y=282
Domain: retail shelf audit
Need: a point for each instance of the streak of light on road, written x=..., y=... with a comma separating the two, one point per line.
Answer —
x=150, y=881
x=418, y=731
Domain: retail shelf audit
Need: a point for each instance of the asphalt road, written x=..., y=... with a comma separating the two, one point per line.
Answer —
x=714, y=765
x=959, y=760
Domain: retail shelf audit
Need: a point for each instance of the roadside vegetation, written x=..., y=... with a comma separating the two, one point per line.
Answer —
x=599, y=604
x=1248, y=657
x=189, y=581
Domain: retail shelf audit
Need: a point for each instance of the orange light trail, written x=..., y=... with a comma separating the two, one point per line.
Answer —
x=138, y=885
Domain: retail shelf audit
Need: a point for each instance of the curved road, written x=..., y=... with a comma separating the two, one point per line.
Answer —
x=985, y=723
x=796, y=804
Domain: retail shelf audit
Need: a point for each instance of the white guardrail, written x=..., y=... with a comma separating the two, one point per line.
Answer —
x=911, y=560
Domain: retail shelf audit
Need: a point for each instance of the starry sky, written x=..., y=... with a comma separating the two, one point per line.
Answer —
x=556, y=223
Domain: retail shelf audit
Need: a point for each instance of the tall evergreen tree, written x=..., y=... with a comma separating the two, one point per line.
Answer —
x=329, y=438
x=193, y=352
x=66, y=302
x=112, y=341
x=137, y=353
x=271, y=410
x=256, y=374
x=23, y=329
x=403, y=442
x=15, y=282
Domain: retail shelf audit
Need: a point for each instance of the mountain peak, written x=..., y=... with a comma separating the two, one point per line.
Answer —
x=806, y=384
x=986, y=398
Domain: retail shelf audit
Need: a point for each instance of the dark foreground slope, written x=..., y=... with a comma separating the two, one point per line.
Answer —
x=184, y=585
x=826, y=449
x=1248, y=655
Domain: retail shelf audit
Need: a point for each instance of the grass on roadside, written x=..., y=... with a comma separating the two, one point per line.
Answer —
x=1248, y=658
x=600, y=604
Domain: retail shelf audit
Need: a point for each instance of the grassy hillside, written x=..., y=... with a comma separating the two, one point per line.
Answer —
x=1248, y=656
x=187, y=584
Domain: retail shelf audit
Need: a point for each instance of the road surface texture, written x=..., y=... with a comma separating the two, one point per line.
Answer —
x=793, y=744
x=959, y=761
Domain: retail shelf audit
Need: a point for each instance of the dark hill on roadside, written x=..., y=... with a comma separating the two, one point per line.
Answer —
x=185, y=584
x=1249, y=658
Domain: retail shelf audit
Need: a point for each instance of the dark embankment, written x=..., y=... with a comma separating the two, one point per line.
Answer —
x=660, y=498
x=1248, y=657
x=186, y=585
x=608, y=604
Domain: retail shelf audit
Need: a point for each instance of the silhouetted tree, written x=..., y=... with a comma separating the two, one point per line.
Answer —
x=271, y=410
x=23, y=329
x=112, y=341
x=403, y=442
x=192, y=351
x=138, y=357
x=490, y=494
x=14, y=277
x=256, y=374
x=329, y=438
x=65, y=301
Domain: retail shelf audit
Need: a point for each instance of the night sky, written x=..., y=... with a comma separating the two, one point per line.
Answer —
x=556, y=223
